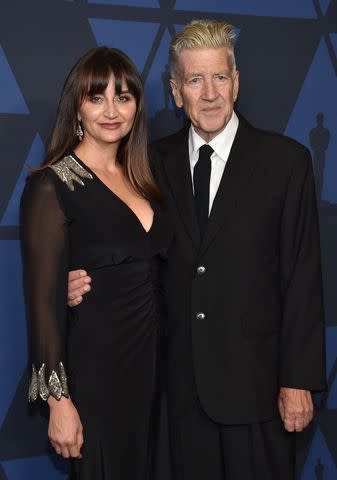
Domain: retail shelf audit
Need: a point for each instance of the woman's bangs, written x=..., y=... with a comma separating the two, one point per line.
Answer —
x=124, y=76
x=97, y=74
x=97, y=80
x=132, y=84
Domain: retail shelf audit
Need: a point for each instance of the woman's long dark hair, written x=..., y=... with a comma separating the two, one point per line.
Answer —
x=90, y=76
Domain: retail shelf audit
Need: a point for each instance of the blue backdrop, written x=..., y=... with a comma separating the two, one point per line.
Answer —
x=287, y=57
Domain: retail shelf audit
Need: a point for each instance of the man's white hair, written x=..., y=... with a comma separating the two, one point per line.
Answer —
x=202, y=34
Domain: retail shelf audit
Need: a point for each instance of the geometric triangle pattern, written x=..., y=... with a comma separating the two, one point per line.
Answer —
x=299, y=9
x=20, y=420
x=320, y=464
x=332, y=396
x=328, y=427
x=3, y=476
x=127, y=3
x=11, y=99
x=13, y=340
x=179, y=27
x=324, y=5
x=34, y=159
x=331, y=350
x=156, y=92
x=331, y=363
x=160, y=105
x=112, y=33
x=46, y=467
x=318, y=90
x=333, y=38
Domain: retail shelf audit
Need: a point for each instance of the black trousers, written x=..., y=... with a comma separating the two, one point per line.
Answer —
x=204, y=450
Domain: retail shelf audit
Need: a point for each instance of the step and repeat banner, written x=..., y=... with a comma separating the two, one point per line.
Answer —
x=287, y=56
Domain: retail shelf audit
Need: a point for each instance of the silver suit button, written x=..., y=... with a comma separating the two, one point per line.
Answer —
x=200, y=316
x=201, y=270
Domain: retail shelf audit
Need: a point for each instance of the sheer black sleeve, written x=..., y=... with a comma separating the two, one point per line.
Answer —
x=45, y=256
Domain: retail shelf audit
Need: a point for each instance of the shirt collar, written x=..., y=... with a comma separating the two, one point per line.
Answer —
x=221, y=144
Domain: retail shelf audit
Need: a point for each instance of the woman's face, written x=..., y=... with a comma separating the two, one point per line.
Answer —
x=108, y=117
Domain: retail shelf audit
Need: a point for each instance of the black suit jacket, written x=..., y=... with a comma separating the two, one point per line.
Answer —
x=260, y=289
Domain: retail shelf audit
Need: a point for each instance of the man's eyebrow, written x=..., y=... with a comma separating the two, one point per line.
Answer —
x=221, y=72
x=192, y=74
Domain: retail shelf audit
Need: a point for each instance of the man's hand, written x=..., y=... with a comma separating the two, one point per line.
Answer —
x=78, y=285
x=296, y=408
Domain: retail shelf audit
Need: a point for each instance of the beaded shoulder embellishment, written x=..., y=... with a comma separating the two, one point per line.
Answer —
x=69, y=170
x=57, y=384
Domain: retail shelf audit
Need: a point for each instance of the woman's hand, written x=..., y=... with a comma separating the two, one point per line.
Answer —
x=65, y=429
x=78, y=285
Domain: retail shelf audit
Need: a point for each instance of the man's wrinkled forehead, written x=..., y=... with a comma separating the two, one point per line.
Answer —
x=191, y=61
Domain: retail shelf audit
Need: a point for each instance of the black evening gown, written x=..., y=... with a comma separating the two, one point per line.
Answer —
x=108, y=345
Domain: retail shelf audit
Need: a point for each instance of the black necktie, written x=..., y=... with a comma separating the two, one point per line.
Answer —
x=201, y=179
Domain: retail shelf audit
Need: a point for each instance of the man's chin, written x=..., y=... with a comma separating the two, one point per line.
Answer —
x=212, y=128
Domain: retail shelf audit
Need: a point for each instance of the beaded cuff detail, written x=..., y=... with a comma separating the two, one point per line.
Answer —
x=57, y=384
x=69, y=170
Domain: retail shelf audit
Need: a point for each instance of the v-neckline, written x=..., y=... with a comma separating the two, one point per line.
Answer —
x=84, y=165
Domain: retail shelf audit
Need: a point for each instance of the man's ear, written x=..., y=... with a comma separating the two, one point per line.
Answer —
x=176, y=93
x=236, y=85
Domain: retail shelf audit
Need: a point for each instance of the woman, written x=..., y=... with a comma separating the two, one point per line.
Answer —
x=94, y=204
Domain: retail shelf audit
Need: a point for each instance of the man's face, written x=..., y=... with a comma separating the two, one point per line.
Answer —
x=207, y=89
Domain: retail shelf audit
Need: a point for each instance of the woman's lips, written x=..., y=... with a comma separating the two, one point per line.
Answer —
x=111, y=126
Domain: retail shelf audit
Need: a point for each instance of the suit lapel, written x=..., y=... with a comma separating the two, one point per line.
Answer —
x=178, y=173
x=239, y=168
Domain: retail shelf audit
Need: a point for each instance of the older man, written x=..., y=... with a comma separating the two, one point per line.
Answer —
x=243, y=279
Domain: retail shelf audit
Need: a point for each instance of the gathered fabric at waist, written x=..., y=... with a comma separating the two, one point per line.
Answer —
x=117, y=281
x=122, y=299
x=105, y=255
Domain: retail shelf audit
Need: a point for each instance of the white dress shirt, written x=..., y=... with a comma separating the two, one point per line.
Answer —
x=221, y=145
